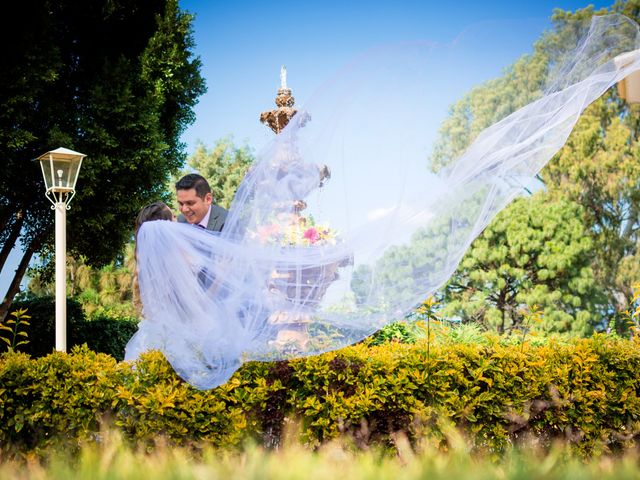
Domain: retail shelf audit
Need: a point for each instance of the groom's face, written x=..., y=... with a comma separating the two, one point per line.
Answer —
x=192, y=206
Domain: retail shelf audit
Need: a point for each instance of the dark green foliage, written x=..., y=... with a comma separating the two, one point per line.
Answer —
x=584, y=392
x=115, y=80
x=104, y=335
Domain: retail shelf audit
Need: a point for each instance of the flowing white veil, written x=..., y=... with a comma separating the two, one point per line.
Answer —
x=377, y=237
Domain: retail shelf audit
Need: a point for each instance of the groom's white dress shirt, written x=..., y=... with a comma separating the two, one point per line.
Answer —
x=205, y=221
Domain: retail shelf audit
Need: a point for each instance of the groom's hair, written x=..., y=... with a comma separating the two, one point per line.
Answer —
x=195, y=181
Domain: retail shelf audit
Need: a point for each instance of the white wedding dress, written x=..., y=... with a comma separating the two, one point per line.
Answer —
x=379, y=237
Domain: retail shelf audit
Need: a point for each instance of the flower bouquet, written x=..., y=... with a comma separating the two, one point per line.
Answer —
x=296, y=231
x=304, y=286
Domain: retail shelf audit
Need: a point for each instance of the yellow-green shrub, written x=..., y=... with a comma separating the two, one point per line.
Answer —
x=584, y=392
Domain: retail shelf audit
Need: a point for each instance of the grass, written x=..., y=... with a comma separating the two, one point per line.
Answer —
x=111, y=459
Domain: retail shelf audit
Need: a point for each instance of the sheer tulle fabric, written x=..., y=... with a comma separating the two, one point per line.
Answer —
x=377, y=237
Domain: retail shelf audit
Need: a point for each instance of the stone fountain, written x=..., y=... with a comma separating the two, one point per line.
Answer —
x=292, y=331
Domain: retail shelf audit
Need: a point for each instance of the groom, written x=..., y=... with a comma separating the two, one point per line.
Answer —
x=196, y=203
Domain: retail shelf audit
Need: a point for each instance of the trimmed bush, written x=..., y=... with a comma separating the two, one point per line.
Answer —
x=584, y=392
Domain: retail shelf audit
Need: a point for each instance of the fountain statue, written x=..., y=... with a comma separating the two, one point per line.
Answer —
x=277, y=119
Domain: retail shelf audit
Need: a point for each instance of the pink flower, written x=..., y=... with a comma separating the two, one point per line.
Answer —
x=312, y=235
x=268, y=232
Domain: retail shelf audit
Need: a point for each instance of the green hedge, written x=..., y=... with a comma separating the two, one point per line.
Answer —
x=584, y=392
x=104, y=335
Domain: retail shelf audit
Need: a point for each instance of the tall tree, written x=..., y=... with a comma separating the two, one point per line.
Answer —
x=535, y=252
x=114, y=79
x=599, y=166
x=223, y=165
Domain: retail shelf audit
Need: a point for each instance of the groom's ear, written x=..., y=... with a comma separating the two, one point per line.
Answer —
x=208, y=198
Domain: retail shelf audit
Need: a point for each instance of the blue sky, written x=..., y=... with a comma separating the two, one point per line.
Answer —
x=242, y=45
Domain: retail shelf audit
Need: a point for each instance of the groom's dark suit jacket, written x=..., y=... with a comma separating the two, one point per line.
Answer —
x=216, y=219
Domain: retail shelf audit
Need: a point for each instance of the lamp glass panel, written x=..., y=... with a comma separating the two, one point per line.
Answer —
x=46, y=172
x=62, y=172
x=73, y=171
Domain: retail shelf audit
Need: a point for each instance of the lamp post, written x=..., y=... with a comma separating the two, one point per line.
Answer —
x=60, y=168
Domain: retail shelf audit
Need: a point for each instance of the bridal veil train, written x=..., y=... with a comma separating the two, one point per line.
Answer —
x=377, y=237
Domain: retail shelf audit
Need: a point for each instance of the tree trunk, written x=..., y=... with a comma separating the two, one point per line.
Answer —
x=11, y=240
x=501, y=305
x=14, y=288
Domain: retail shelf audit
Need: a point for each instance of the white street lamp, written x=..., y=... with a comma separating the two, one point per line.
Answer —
x=629, y=87
x=60, y=168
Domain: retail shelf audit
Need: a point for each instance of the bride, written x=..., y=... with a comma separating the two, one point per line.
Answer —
x=383, y=234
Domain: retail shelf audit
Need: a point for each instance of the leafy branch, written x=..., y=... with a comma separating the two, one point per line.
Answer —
x=530, y=317
x=14, y=326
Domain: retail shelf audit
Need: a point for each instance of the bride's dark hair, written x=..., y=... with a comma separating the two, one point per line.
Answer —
x=153, y=211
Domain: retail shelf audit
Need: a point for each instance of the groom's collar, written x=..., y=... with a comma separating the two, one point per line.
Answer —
x=205, y=221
